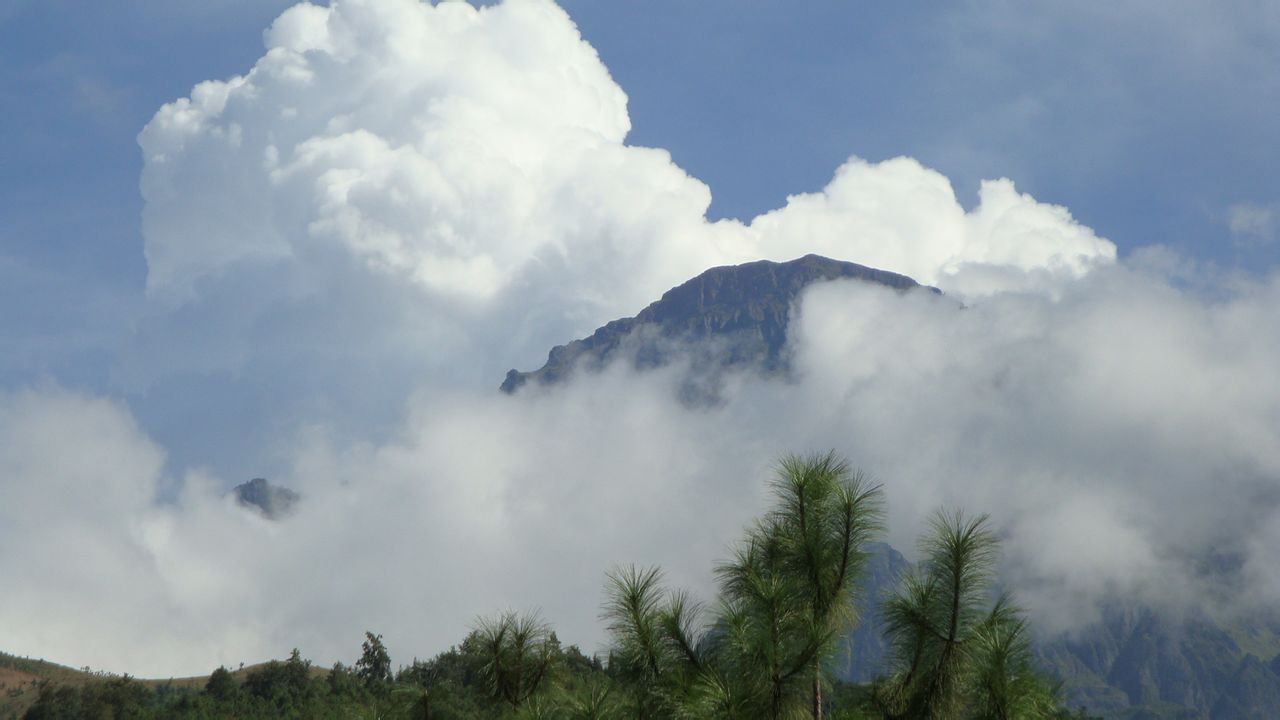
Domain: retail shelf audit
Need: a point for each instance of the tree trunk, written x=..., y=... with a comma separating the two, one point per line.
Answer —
x=817, y=694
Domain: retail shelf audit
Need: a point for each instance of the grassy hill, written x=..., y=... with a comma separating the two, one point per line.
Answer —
x=20, y=680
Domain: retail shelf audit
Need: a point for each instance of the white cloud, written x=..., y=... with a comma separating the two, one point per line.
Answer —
x=463, y=150
x=1125, y=408
x=901, y=216
x=77, y=483
x=482, y=503
x=1118, y=433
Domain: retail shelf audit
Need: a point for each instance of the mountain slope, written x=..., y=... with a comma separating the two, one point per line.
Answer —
x=1139, y=658
x=21, y=678
x=741, y=310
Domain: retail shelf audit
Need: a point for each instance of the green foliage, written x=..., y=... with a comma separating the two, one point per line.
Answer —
x=788, y=592
x=594, y=700
x=343, y=682
x=288, y=686
x=653, y=648
x=518, y=650
x=786, y=599
x=119, y=697
x=221, y=686
x=956, y=652
x=374, y=666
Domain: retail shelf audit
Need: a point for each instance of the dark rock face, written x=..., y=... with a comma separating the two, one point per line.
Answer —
x=864, y=654
x=1251, y=693
x=1183, y=667
x=738, y=314
x=272, y=501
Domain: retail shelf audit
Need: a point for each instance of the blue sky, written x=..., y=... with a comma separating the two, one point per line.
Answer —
x=343, y=269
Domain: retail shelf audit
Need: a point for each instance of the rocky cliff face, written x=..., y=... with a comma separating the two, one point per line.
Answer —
x=1191, y=666
x=737, y=317
x=273, y=501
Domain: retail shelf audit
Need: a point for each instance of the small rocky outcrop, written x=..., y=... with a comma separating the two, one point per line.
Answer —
x=273, y=501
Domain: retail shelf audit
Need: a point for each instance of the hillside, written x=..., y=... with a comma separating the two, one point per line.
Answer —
x=20, y=680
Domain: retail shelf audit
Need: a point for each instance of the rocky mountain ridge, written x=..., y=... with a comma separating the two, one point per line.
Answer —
x=273, y=501
x=742, y=310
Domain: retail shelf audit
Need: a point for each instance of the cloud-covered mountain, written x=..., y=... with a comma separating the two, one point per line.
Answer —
x=350, y=242
x=1132, y=659
x=726, y=318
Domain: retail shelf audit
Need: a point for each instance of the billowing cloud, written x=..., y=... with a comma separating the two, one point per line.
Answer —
x=1118, y=431
x=1118, y=434
x=477, y=156
x=902, y=216
x=480, y=504
x=400, y=194
x=349, y=244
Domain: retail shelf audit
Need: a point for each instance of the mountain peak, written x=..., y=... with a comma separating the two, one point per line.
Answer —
x=744, y=308
x=273, y=501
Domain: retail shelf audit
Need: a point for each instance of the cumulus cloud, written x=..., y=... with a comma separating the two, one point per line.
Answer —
x=400, y=193
x=350, y=243
x=474, y=155
x=904, y=217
